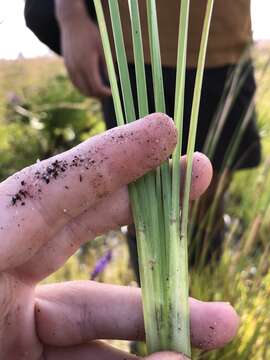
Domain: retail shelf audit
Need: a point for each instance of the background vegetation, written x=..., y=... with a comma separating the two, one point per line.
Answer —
x=41, y=114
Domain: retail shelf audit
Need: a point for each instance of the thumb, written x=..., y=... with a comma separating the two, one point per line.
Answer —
x=166, y=356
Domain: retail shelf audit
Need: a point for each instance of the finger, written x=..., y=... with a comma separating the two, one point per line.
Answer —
x=70, y=183
x=78, y=81
x=93, y=351
x=202, y=173
x=95, y=81
x=109, y=214
x=84, y=81
x=76, y=312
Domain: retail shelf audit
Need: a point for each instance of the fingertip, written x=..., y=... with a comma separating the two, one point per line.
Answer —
x=202, y=173
x=213, y=324
x=230, y=323
x=162, y=128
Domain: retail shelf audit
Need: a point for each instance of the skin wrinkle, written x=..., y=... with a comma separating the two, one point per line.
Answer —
x=6, y=302
x=16, y=314
x=87, y=325
x=84, y=323
x=36, y=238
x=72, y=231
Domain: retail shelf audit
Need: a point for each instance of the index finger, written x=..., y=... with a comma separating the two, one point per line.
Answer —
x=35, y=202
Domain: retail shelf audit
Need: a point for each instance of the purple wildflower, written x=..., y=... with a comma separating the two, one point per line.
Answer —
x=13, y=99
x=101, y=264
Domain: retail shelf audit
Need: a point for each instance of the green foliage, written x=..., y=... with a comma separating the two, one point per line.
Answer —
x=242, y=279
x=44, y=120
x=19, y=147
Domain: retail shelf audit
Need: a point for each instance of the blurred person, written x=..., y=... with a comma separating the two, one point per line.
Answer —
x=69, y=28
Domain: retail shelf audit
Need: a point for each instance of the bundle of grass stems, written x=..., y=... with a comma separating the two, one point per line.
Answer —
x=161, y=226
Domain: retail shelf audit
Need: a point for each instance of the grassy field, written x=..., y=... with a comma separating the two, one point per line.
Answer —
x=56, y=117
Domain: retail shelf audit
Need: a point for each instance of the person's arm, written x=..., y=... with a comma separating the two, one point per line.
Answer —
x=67, y=10
x=81, y=47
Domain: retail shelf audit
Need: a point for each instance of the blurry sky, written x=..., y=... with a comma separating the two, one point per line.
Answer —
x=15, y=38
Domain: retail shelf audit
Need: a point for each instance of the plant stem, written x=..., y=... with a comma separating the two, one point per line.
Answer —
x=178, y=271
x=192, y=139
x=143, y=193
x=162, y=247
x=195, y=113
x=163, y=186
x=109, y=62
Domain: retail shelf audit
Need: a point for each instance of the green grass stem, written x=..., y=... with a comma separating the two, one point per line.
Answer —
x=195, y=115
x=162, y=247
x=178, y=269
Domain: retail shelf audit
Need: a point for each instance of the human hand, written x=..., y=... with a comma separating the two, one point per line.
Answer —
x=47, y=211
x=83, y=55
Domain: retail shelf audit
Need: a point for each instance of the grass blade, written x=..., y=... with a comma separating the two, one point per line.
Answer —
x=178, y=272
